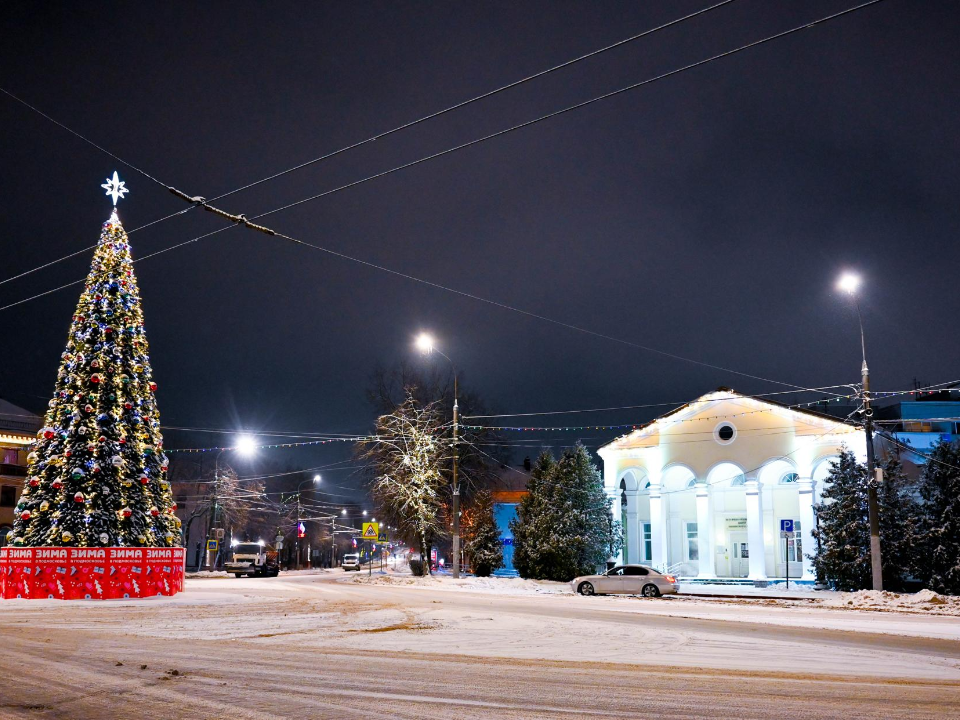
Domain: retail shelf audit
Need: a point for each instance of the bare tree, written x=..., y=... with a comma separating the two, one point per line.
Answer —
x=407, y=456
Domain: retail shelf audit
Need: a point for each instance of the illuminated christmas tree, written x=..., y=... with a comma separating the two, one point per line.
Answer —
x=97, y=473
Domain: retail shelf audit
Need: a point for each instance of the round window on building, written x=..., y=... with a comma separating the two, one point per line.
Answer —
x=725, y=433
x=790, y=477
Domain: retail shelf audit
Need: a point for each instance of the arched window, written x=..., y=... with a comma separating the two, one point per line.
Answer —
x=692, y=483
x=738, y=481
x=790, y=477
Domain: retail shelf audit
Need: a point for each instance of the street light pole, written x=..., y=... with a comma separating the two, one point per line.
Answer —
x=850, y=283
x=426, y=345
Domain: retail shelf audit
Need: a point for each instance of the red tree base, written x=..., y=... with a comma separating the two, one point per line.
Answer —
x=112, y=573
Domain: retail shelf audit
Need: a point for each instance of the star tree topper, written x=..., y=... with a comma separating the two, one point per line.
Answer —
x=115, y=188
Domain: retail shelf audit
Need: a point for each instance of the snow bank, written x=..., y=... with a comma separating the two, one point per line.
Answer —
x=925, y=601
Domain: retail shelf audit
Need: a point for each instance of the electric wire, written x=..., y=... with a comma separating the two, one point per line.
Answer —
x=327, y=156
x=241, y=219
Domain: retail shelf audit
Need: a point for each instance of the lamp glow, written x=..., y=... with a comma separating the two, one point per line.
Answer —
x=848, y=283
x=317, y=479
x=246, y=445
x=425, y=343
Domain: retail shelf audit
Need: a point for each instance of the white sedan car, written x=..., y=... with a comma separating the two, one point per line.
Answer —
x=626, y=580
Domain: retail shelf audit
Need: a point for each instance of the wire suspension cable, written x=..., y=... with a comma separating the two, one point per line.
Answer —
x=241, y=219
x=195, y=201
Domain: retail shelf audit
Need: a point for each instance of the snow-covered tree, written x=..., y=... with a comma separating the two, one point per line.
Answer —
x=940, y=490
x=482, y=536
x=843, y=532
x=843, y=528
x=563, y=526
x=407, y=456
x=900, y=526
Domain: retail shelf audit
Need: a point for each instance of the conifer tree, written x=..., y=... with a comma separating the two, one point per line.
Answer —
x=563, y=527
x=483, y=545
x=900, y=526
x=940, y=490
x=843, y=531
x=97, y=473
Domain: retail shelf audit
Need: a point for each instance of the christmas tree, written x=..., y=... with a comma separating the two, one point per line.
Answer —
x=97, y=473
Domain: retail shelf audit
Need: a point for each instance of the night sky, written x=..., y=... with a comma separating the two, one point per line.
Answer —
x=707, y=215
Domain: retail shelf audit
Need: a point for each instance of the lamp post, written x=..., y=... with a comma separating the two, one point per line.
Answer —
x=426, y=345
x=246, y=446
x=850, y=283
x=316, y=481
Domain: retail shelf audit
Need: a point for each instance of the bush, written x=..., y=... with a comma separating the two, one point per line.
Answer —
x=418, y=568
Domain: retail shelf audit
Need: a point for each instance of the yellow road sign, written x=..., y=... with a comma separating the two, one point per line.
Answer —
x=371, y=531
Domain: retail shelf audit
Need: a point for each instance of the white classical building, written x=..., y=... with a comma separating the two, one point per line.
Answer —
x=701, y=490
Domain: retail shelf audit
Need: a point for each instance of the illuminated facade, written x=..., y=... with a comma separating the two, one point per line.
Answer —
x=701, y=490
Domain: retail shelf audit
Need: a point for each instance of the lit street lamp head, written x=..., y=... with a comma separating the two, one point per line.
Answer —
x=317, y=479
x=246, y=445
x=848, y=282
x=425, y=343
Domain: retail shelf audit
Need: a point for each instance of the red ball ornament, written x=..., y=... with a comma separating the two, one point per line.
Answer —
x=91, y=448
x=173, y=507
x=154, y=511
x=96, y=468
x=56, y=484
x=67, y=453
x=34, y=482
x=128, y=405
x=25, y=515
x=101, y=439
x=94, y=378
x=88, y=408
x=153, y=387
x=78, y=497
x=48, y=433
x=126, y=512
x=108, y=330
x=144, y=479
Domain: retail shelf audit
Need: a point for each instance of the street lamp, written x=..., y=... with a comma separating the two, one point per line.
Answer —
x=246, y=446
x=426, y=345
x=850, y=283
x=316, y=481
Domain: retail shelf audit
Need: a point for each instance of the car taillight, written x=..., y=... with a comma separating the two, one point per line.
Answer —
x=670, y=578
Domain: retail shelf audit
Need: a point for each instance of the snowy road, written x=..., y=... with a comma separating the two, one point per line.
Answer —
x=315, y=646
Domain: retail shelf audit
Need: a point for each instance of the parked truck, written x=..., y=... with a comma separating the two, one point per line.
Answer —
x=254, y=559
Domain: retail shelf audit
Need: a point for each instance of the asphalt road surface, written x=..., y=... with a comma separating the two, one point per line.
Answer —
x=310, y=647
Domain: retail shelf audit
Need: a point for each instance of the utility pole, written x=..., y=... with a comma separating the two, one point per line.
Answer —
x=850, y=283
x=297, y=544
x=876, y=562
x=456, y=488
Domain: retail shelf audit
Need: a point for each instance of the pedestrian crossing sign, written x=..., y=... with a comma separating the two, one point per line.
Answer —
x=371, y=531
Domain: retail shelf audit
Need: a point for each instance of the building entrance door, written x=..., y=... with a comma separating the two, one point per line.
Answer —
x=739, y=555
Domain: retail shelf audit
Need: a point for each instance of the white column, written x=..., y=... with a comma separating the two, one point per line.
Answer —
x=758, y=554
x=612, y=488
x=807, y=523
x=633, y=533
x=658, y=529
x=707, y=567
x=616, y=512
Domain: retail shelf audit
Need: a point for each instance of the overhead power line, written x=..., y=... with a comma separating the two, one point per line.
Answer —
x=241, y=219
x=202, y=202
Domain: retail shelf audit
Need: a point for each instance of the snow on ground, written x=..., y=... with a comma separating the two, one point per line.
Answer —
x=497, y=585
x=925, y=602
